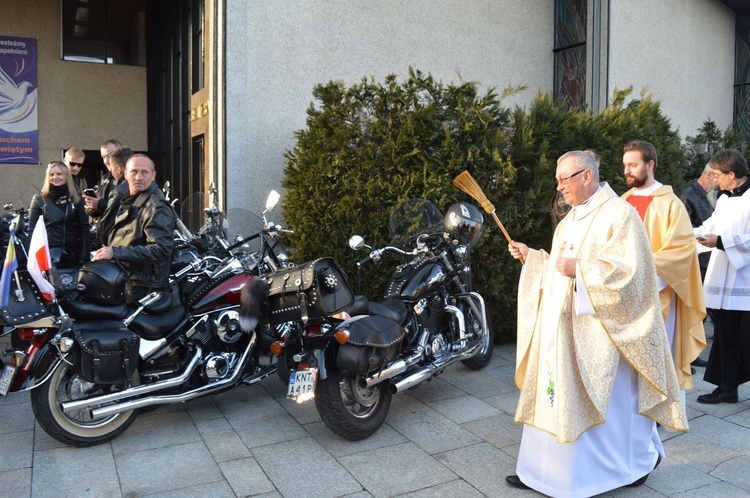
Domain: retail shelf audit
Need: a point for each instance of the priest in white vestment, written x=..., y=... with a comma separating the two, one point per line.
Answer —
x=593, y=361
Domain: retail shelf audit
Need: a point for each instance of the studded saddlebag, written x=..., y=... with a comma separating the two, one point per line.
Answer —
x=109, y=351
x=312, y=290
x=373, y=343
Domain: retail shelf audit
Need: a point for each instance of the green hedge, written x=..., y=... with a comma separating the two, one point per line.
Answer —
x=371, y=145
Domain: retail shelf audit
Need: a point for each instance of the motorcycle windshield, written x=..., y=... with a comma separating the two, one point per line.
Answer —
x=242, y=223
x=415, y=217
x=192, y=211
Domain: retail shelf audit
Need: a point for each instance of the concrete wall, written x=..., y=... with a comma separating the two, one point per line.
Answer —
x=682, y=52
x=277, y=51
x=80, y=103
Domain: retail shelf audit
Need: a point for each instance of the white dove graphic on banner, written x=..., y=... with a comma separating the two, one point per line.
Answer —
x=17, y=105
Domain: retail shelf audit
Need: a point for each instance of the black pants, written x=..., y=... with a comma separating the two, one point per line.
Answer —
x=729, y=360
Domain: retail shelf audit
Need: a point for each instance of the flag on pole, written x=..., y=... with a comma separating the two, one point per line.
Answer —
x=9, y=266
x=40, y=261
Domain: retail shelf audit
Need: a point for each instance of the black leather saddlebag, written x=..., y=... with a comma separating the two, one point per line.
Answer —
x=373, y=343
x=109, y=351
x=25, y=302
x=311, y=290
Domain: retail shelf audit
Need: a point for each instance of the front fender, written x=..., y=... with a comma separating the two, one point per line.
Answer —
x=38, y=368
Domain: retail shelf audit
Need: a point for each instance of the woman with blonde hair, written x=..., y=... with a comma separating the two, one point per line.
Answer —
x=64, y=215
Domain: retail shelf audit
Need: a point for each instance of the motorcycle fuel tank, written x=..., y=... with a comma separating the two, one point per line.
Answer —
x=226, y=293
x=411, y=282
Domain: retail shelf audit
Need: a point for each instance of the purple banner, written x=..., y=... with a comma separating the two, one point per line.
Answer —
x=19, y=128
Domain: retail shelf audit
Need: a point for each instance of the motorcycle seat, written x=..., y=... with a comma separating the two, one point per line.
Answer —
x=155, y=326
x=391, y=308
x=92, y=311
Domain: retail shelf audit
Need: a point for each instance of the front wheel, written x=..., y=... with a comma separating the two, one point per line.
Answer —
x=349, y=410
x=484, y=355
x=76, y=428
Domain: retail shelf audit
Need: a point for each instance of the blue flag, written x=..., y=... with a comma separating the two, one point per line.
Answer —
x=10, y=265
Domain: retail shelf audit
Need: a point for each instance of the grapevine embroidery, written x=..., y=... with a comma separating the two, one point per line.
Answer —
x=551, y=393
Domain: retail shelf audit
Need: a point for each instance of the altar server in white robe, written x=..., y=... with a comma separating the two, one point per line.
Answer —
x=727, y=282
x=592, y=361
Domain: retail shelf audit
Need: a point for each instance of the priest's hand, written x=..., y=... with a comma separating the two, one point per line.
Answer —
x=708, y=240
x=518, y=250
x=566, y=266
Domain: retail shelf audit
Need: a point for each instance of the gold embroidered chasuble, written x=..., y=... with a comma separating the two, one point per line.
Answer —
x=676, y=258
x=566, y=362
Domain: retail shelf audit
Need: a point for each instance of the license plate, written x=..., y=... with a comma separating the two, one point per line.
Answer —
x=6, y=379
x=302, y=384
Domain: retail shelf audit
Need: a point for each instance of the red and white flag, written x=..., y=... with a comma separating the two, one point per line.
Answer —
x=40, y=261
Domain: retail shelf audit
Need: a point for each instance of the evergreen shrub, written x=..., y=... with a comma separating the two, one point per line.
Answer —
x=370, y=146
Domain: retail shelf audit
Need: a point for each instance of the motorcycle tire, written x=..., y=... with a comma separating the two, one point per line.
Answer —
x=348, y=410
x=75, y=430
x=483, y=357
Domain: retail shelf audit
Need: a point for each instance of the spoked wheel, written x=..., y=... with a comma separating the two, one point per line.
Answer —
x=76, y=428
x=351, y=411
x=474, y=326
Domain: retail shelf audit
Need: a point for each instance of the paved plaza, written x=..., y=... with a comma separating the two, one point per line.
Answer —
x=453, y=436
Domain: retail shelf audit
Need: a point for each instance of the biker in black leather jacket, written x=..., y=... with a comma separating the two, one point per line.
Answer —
x=142, y=239
x=66, y=222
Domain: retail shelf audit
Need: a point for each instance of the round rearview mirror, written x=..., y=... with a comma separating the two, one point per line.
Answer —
x=356, y=242
x=273, y=199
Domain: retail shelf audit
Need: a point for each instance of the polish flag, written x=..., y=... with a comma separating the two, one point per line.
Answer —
x=40, y=261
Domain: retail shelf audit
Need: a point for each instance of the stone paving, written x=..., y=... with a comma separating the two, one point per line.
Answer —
x=453, y=436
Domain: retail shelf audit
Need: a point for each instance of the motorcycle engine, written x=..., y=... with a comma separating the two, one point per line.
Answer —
x=430, y=313
x=219, y=366
x=437, y=345
x=228, y=326
x=225, y=326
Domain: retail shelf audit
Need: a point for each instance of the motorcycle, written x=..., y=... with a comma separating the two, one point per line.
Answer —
x=93, y=362
x=352, y=357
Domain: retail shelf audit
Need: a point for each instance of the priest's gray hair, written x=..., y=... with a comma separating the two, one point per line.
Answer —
x=585, y=159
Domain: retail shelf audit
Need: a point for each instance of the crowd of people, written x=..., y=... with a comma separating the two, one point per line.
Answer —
x=124, y=218
x=611, y=319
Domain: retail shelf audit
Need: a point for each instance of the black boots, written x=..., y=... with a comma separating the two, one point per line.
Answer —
x=719, y=396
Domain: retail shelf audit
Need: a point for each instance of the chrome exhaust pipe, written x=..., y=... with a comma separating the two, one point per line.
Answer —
x=427, y=372
x=396, y=368
x=83, y=404
x=177, y=398
x=412, y=380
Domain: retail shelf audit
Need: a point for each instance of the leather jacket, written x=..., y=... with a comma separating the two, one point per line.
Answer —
x=142, y=239
x=107, y=220
x=696, y=202
x=66, y=222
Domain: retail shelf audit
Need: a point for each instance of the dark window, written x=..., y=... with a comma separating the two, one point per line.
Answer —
x=570, y=52
x=742, y=77
x=198, y=13
x=199, y=163
x=104, y=31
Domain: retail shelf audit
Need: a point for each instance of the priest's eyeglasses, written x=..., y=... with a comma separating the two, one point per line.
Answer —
x=561, y=181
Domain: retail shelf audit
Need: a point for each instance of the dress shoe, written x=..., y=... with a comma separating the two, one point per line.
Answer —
x=643, y=479
x=516, y=482
x=699, y=362
x=719, y=396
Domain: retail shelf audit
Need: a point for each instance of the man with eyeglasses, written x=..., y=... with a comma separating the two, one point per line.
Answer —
x=74, y=158
x=673, y=244
x=727, y=285
x=592, y=361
